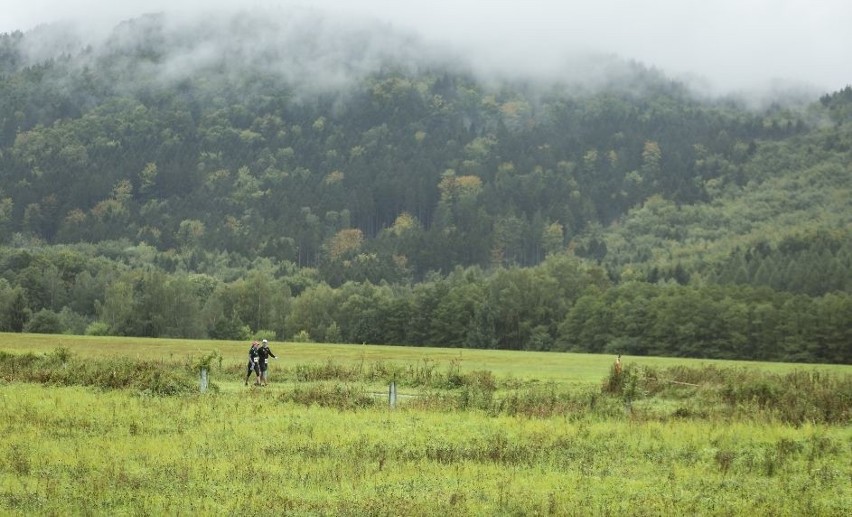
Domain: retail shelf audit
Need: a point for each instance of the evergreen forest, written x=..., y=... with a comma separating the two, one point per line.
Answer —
x=232, y=177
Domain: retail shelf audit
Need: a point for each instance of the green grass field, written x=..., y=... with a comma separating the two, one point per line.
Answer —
x=546, y=366
x=82, y=432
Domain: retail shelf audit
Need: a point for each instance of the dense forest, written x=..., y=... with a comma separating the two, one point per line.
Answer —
x=237, y=176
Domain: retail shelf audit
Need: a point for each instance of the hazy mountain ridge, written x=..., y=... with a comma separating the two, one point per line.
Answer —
x=282, y=105
x=165, y=178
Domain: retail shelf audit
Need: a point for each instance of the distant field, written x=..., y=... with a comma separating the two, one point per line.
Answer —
x=549, y=366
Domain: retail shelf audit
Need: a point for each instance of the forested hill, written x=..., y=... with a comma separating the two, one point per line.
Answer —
x=318, y=153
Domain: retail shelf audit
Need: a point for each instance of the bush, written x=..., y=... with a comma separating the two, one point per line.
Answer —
x=478, y=390
x=61, y=355
x=72, y=323
x=44, y=321
x=206, y=361
x=97, y=328
x=623, y=381
x=302, y=337
x=269, y=335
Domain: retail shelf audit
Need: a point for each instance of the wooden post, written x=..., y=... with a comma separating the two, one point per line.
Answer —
x=392, y=394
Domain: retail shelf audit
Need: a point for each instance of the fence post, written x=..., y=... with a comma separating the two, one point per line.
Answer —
x=392, y=394
x=203, y=380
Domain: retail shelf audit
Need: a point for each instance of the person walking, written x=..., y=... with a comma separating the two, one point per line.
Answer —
x=264, y=353
x=253, y=363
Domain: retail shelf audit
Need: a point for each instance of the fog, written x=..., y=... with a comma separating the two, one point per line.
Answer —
x=723, y=46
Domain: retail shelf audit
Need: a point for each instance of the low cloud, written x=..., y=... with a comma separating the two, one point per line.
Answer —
x=726, y=45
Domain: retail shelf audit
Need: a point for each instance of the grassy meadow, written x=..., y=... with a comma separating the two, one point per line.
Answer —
x=545, y=366
x=117, y=426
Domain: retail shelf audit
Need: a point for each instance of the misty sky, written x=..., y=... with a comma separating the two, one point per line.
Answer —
x=724, y=44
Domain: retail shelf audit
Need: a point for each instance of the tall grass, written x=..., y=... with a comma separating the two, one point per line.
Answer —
x=62, y=368
x=705, y=392
x=795, y=397
x=75, y=450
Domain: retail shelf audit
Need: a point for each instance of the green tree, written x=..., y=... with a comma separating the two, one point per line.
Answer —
x=116, y=309
x=17, y=312
x=313, y=312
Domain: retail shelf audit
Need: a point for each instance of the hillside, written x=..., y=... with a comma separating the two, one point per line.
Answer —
x=287, y=156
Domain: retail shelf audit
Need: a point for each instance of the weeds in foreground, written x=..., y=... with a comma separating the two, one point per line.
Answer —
x=81, y=451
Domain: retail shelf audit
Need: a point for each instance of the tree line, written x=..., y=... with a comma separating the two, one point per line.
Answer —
x=563, y=304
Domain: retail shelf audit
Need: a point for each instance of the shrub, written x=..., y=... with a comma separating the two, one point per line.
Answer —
x=623, y=381
x=265, y=334
x=302, y=337
x=44, y=321
x=71, y=322
x=478, y=391
x=61, y=355
x=206, y=361
x=97, y=328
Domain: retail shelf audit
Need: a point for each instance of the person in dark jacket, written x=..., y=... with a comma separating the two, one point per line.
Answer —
x=264, y=353
x=253, y=363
